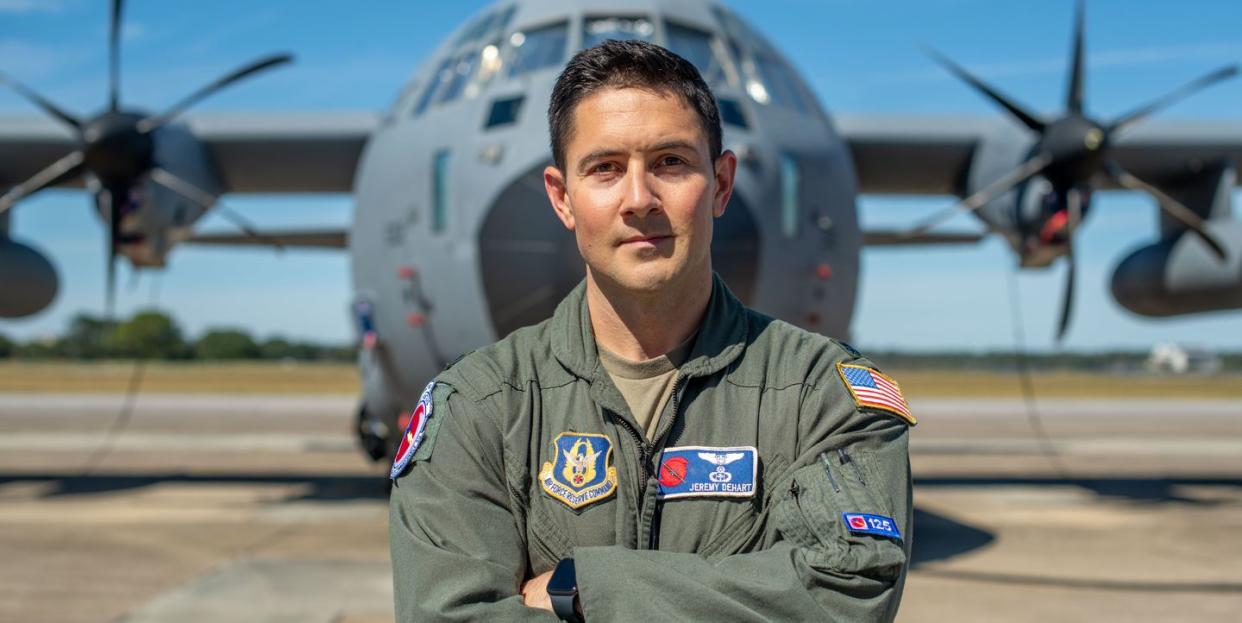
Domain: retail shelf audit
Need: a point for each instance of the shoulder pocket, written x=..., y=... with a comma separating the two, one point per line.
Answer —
x=439, y=411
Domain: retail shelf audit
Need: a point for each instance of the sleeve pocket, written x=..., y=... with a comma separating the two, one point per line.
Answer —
x=811, y=515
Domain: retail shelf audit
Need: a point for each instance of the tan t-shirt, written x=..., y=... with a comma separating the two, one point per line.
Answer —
x=646, y=385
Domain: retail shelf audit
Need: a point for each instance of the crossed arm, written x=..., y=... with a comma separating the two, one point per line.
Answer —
x=459, y=553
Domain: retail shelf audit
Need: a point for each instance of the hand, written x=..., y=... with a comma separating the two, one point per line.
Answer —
x=535, y=592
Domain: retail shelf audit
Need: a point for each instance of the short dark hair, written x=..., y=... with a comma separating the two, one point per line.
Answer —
x=628, y=64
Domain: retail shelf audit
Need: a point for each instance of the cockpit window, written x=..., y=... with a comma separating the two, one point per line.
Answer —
x=475, y=61
x=695, y=46
x=485, y=26
x=767, y=78
x=471, y=31
x=600, y=29
x=443, y=73
x=402, y=102
x=782, y=87
x=500, y=22
x=459, y=73
x=538, y=48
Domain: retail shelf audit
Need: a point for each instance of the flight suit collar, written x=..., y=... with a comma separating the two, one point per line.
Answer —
x=721, y=337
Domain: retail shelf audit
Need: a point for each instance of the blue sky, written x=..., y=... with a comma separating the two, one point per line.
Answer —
x=859, y=56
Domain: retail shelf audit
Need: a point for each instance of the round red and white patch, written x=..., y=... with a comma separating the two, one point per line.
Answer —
x=414, y=432
x=673, y=471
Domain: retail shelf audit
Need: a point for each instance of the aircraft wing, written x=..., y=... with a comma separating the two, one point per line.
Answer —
x=932, y=155
x=252, y=153
x=309, y=239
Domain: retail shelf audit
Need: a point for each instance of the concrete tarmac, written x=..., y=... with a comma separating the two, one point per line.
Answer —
x=260, y=508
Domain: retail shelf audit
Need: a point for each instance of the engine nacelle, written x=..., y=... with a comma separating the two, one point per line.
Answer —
x=1181, y=275
x=28, y=281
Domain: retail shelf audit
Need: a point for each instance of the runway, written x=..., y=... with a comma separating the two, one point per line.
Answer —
x=260, y=508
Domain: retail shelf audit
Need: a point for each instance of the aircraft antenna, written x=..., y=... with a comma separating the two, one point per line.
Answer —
x=1034, y=417
x=120, y=421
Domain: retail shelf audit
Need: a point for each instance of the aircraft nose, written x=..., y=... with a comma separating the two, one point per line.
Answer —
x=528, y=261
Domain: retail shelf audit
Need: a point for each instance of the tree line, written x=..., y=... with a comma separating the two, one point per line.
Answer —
x=153, y=334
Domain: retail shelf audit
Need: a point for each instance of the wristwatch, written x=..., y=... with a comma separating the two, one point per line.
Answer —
x=563, y=591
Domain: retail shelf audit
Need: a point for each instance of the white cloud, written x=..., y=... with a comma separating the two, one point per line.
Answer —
x=33, y=59
x=130, y=30
x=31, y=6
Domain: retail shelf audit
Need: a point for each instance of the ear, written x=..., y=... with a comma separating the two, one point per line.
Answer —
x=558, y=196
x=726, y=171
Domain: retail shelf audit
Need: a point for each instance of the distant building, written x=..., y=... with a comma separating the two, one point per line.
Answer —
x=1176, y=359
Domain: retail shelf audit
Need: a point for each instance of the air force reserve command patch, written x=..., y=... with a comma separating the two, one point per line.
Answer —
x=414, y=432
x=581, y=472
x=872, y=389
x=702, y=471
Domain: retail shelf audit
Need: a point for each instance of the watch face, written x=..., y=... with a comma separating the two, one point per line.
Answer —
x=564, y=581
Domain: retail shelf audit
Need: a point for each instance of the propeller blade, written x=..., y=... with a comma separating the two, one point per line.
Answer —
x=68, y=167
x=1074, y=91
x=205, y=199
x=45, y=105
x=153, y=123
x=170, y=181
x=981, y=197
x=248, y=228
x=1074, y=209
x=116, y=199
x=1169, y=205
x=114, y=57
x=1146, y=110
x=1027, y=119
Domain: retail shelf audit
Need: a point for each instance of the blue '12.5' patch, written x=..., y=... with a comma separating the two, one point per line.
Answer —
x=879, y=525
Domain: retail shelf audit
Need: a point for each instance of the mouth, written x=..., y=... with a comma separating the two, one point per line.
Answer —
x=644, y=239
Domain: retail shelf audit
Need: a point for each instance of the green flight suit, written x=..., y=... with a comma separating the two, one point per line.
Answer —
x=469, y=520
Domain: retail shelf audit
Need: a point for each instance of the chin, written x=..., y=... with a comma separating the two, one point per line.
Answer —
x=644, y=278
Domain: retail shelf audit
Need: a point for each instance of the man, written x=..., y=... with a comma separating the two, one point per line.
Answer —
x=655, y=450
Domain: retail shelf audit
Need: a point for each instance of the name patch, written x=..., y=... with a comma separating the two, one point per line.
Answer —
x=704, y=471
x=863, y=523
x=582, y=471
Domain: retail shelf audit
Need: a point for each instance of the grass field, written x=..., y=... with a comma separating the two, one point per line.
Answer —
x=180, y=378
x=342, y=378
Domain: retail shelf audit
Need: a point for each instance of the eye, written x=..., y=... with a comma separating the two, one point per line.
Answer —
x=671, y=161
x=604, y=167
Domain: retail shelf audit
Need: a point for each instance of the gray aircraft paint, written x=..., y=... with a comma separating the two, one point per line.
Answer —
x=503, y=257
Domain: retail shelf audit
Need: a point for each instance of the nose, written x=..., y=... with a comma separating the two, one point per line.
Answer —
x=639, y=199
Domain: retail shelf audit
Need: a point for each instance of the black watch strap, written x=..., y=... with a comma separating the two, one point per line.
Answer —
x=565, y=608
x=563, y=591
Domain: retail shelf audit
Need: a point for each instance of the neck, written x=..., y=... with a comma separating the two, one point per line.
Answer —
x=641, y=326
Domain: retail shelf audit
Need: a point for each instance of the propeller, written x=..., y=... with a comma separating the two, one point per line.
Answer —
x=1070, y=152
x=116, y=148
x=207, y=200
x=1073, y=209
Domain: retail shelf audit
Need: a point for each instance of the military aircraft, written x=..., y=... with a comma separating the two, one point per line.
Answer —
x=453, y=245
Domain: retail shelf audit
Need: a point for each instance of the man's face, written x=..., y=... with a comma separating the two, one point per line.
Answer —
x=640, y=189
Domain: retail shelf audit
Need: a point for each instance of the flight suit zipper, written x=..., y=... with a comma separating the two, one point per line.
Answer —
x=644, y=452
x=653, y=531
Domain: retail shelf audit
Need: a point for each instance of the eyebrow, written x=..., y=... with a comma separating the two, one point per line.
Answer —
x=605, y=153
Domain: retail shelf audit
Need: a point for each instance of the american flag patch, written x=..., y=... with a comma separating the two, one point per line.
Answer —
x=872, y=389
